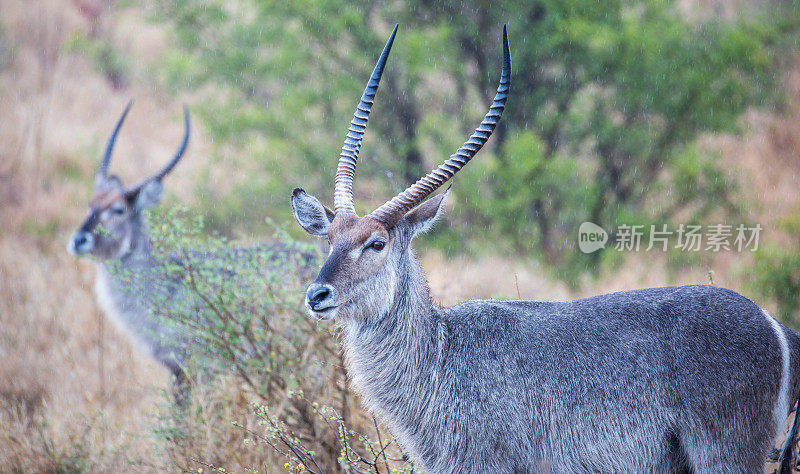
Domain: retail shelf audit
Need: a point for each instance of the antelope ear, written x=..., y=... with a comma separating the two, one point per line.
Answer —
x=423, y=217
x=148, y=195
x=311, y=214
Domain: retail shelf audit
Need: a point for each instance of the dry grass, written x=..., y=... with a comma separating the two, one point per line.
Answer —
x=73, y=394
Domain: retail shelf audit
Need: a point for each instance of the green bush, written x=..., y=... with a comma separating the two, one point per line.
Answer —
x=104, y=57
x=255, y=357
x=775, y=275
x=608, y=102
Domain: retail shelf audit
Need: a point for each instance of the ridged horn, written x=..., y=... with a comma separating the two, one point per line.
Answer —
x=346, y=170
x=102, y=171
x=390, y=212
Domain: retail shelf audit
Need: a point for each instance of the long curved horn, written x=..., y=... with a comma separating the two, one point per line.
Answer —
x=174, y=161
x=345, y=172
x=102, y=172
x=393, y=210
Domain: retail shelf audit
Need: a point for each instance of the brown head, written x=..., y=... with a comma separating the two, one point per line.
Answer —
x=114, y=209
x=367, y=254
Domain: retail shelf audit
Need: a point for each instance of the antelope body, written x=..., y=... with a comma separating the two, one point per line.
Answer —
x=687, y=379
x=131, y=281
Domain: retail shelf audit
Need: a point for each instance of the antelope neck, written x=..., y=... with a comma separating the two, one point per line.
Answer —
x=396, y=355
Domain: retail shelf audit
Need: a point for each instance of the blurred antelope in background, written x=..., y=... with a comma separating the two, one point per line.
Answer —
x=115, y=233
x=152, y=298
x=682, y=379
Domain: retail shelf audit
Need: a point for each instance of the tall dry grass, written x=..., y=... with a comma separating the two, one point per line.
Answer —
x=74, y=395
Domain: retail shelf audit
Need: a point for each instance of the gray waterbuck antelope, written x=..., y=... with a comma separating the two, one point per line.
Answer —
x=682, y=379
x=115, y=232
x=137, y=288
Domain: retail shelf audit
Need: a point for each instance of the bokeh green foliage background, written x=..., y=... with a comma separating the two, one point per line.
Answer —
x=608, y=101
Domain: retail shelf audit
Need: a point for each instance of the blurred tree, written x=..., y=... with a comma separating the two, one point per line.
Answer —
x=608, y=100
x=286, y=77
x=775, y=274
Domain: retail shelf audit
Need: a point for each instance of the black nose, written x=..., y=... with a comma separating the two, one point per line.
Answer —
x=81, y=243
x=317, y=293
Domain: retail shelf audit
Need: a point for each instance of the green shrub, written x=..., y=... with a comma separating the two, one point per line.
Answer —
x=607, y=106
x=775, y=274
x=251, y=343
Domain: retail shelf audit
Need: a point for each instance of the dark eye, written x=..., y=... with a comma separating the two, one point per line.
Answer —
x=117, y=210
x=378, y=245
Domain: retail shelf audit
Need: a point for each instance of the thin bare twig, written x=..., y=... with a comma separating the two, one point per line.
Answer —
x=380, y=440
